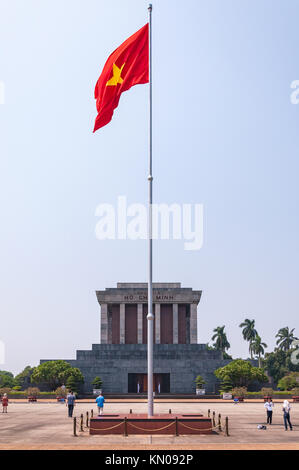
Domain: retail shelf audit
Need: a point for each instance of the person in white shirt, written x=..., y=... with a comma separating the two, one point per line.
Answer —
x=286, y=415
x=269, y=405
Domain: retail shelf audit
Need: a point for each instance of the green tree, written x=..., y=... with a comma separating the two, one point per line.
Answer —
x=241, y=373
x=248, y=332
x=285, y=338
x=257, y=347
x=220, y=338
x=5, y=390
x=33, y=391
x=23, y=379
x=199, y=381
x=226, y=384
x=73, y=383
x=60, y=392
x=55, y=373
x=275, y=364
x=289, y=381
x=267, y=391
x=239, y=392
x=6, y=379
x=97, y=382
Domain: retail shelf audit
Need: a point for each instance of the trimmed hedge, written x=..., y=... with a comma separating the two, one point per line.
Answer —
x=277, y=394
x=21, y=394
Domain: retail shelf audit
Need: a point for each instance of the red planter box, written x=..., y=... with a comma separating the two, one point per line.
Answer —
x=32, y=399
x=295, y=398
x=60, y=399
x=240, y=398
x=267, y=398
x=158, y=424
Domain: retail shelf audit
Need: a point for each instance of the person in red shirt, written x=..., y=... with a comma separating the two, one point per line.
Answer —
x=4, y=403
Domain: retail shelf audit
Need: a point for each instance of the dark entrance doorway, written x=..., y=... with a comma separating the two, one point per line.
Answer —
x=137, y=383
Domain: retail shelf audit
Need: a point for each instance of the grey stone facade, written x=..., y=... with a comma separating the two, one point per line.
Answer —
x=113, y=363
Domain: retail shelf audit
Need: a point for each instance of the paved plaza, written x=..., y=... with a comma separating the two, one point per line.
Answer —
x=45, y=425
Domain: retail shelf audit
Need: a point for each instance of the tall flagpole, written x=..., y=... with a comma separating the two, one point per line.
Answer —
x=150, y=316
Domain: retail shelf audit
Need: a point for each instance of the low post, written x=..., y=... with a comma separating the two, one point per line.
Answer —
x=87, y=419
x=130, y=411
x=169, y=411
x=75, y=426
x=209, y=412
x=214, y=423
x=81, y=423
x=125, y=427
x=176, y=426
x=91, y=414
x=226, y=426
x=219, y=422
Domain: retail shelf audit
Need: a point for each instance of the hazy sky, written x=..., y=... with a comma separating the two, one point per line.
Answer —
x=225, y=135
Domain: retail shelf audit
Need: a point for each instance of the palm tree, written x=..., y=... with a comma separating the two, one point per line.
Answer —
x=249, y=332
x=257, y=347
x=221, y=343
x=285, y=338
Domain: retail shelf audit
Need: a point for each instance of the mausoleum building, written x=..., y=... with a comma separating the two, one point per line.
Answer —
x=120, y=359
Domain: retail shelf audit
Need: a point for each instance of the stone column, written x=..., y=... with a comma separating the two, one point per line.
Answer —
x=104, y=323
x=109, y=315
x=157, y=322
x=139, y=323
x=122, y=323
x=193, y=323
x=175, y=317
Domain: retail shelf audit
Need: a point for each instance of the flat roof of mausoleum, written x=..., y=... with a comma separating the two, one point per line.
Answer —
x=144, y=285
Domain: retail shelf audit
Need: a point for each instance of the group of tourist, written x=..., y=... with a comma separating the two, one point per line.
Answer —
x=70, y=403
x=100, y=400
x=286, y=408
x=269, y=405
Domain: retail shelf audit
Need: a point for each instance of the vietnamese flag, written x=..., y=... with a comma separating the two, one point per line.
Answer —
x=127, y=66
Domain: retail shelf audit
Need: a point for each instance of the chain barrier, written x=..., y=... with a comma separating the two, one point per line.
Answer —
x=197, y=429
x=154, y=430
x=107, y=429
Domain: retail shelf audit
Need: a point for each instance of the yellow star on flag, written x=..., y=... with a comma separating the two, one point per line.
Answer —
x=116, y=78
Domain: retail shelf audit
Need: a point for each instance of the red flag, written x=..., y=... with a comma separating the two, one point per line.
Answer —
x=127, y=66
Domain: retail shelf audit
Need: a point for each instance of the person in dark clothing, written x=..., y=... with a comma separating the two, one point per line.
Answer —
x=286, y=415
x=70, y=401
